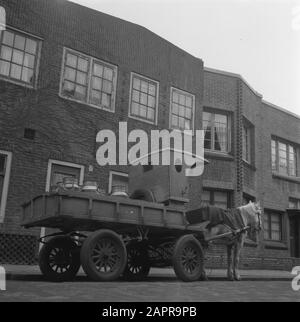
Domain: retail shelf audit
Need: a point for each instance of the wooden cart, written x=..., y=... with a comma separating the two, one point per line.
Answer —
x=112, y=237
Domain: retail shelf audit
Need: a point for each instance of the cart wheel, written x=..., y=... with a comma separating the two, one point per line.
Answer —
x=188, y=258
x=59, y=259
x=103, y=256
x=138, y=264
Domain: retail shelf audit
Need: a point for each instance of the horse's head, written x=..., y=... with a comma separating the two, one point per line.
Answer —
x=252, y=213
x=257, y=213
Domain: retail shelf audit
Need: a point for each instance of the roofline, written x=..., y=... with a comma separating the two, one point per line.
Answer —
x=281, y=109
x=222, y=72
x=139, y=26
x=225, y=73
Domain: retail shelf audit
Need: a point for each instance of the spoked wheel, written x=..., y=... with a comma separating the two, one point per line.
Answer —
x=138, y=264
x=188, y=259
x=59, y=259
x=103, y=256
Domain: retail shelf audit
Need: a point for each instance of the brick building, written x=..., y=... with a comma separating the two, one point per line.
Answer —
x=67, y=72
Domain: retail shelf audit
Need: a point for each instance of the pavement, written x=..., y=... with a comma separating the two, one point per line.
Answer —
x=26, y=284
x=14, y=272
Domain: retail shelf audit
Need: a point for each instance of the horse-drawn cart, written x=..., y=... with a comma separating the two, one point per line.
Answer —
x=113, y=236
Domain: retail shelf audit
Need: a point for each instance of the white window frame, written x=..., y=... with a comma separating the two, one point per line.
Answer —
x=193, y=108
x=277, y=168
x=156, y=99
x=89, y=75
x=5, y=184
x=48, y=181
x=39, y=41
x=111, y=174
x=65, y=164
x=229, y=134
x=247, y=130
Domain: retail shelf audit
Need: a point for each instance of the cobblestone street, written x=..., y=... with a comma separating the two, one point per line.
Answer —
x=162, y=285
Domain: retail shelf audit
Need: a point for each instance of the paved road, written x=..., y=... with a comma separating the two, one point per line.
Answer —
x=160, y=286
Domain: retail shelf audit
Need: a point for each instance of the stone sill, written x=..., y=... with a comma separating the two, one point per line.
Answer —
x=275, y=245
x=249, y=165
x=218, y=155
x=284, y=177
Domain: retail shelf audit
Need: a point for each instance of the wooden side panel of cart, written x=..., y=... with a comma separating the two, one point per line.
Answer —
x=83, y=212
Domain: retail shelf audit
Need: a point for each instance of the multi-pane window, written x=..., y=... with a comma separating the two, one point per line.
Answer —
x=283, y=158
x=182, y=110
x=5, y=164
x=216, y=132
x=18, y=57
x=144, y=98
x=119, y=181
x=246, y=143
x=221, y=199
x=88, y=80
x=272, y=226
x=59, y=171
x=294, y=203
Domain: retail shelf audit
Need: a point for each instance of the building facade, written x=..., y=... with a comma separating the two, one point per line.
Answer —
x=67, y=72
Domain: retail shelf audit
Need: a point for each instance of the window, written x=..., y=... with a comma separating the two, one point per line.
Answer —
x=144, y=98
x=283, y=158
x=294, y=203
x=5, y=166
x=58, y=170
x=18, y=57
x=216, y=132
x=221, y=199
x=88, y=80
x=182, y=110
x=117, y=179
x=246, y=143
x=272, y=226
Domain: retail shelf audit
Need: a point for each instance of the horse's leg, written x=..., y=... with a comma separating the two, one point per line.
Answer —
x=236, y=257
x=229, y=263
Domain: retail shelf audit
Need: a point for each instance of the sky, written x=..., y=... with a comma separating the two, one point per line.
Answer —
x=259, y=39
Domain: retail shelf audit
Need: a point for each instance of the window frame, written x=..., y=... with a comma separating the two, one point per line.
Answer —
x=229, y=130
x=6, y=182
x=52, y=162
x=247, y=130
x=148, y=80
x=89, y=79
x=36, y=68
x=116, y=173
x=287, y=146
x=269, y=214
x=171, y=109
x=294, y=201
x=212, y=196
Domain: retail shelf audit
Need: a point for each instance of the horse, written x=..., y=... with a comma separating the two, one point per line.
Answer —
x=250, y=215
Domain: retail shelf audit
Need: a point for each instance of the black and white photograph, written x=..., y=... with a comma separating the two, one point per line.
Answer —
x=149, y=154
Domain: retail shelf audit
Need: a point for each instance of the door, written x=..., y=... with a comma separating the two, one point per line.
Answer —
x=294, y=235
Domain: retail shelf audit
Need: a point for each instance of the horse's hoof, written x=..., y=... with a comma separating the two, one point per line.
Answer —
x=231, y=278
x=237, y=278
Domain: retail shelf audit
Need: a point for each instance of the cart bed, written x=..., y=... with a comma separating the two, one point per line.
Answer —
x=78, y=211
